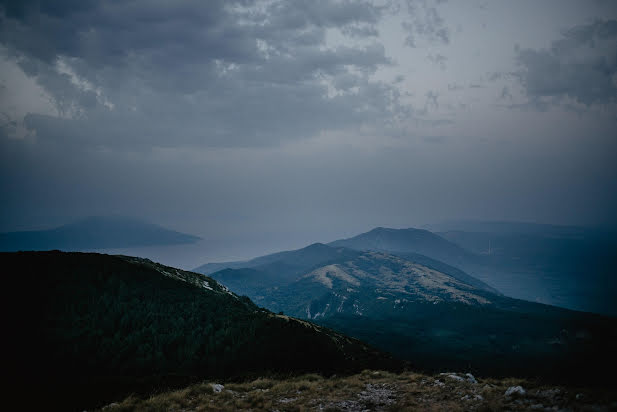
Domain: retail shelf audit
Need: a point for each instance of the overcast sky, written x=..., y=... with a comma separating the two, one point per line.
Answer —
x=307, y=119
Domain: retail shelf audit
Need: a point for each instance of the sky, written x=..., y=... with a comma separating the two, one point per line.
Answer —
x=284, y=122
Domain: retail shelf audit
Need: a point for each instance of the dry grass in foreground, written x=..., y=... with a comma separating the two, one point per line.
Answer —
x=374, y=391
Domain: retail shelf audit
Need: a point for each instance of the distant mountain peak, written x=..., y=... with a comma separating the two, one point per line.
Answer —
x=417, y=245
x=408, y=240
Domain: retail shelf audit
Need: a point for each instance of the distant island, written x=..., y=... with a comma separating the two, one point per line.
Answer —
x=95, y=232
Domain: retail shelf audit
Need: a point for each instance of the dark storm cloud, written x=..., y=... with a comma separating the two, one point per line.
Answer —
x=105, y=32
x=222, y=73
x=582, y=66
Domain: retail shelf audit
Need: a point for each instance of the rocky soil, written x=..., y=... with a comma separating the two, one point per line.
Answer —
x=376, y=391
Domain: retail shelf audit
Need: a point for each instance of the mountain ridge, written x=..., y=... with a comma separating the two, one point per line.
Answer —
x=351, y=248
x=414, y=240
x=315, y=252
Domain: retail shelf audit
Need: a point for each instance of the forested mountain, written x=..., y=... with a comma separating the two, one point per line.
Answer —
x=85, y=329
x=96, y=232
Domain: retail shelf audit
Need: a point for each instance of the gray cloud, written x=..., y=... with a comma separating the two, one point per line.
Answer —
x=431, y=101
x=221, y=73
x=438, y=60
x=505, y=93
x=425, y=23
x=582, y=66
x=323, y=13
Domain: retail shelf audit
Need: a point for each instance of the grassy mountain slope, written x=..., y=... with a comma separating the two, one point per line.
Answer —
x=448, y=270
x=278, y=269
x=269, y=279
x=378, y=391
x=88, y=328
x=94, y=233
x=419, y=242
x=564, y=266
x=433, y=319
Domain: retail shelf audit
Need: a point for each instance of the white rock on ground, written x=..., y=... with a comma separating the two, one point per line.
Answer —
x=467, y=377
x=217, y=387
x=452, y=376
x=455, y=377
x=515, y=390
x=472, y=398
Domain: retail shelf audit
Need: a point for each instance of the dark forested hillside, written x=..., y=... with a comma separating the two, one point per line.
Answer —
x=99, y=327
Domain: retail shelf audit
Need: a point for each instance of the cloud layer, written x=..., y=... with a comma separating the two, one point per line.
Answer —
x=581, y=66
x=220, y=73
